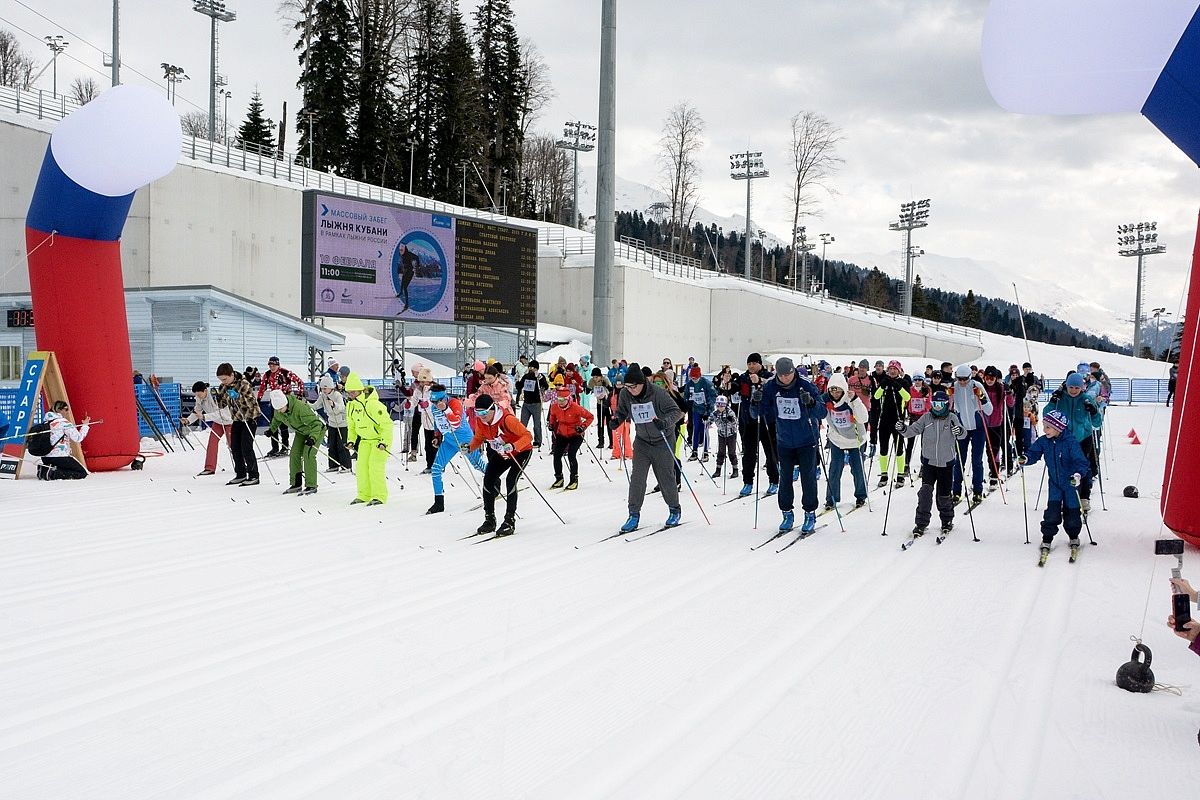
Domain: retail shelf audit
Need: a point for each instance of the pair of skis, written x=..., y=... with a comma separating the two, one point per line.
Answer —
x=912, y=537
x=1045, y=555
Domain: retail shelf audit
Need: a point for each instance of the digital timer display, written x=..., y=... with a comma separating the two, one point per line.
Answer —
x=20, y=317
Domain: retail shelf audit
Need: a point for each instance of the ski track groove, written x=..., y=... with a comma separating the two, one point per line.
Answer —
x=736, y=686
x=339, y=751
x=19, y=729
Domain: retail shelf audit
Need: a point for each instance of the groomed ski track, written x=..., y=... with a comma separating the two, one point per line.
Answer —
x=162, y=637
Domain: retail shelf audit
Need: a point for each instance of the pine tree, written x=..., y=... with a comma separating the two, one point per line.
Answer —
x=502, y=95
x=876, y=290
x=257, y=131
x=376, y=129
x=969, y=316
x=328, y=62
x=918, y=298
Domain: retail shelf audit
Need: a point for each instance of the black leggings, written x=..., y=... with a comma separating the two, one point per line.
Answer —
x=568, y=446
x=245, y=465
x=497, y=466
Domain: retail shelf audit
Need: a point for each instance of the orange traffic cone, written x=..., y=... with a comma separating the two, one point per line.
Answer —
x=1132, y=434
x=1136, y=440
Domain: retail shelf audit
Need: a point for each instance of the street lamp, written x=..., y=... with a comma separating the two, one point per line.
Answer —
x=578, y=138
x=1141, y=240
x=56, y=44
x=747, y=167
x=826, y=240
x=215, y=10
x=800, y=245
x=174, y=75
x=1157, y=313
x=225, y=95
x=310, y=115
x=913, y=214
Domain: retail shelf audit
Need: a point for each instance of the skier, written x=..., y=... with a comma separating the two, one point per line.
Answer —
x=875, y=405
x=572, y=380
x=369, y=431
x=725, y=420
x=60, y=463
x=287, y=382
x=1083, y=416
x=422, y=423
x=918, y=405
x=701, y=395
x=297, y=414
x=847, y=431
x=532, y=385
x=1001, y=400
x=891, y=397
x=654, y=414
x=970, y=402
x=940, y=431
x=792, y=405
x=622, y=444
x=510, y=447
x=569, y=422
x=600, y=388
x=220, y=424
x=1066, y=468
x=333, y=405
x=237, y=397
x=754, y=429
x=407, y=266
x=453, y=435
x=663, y=381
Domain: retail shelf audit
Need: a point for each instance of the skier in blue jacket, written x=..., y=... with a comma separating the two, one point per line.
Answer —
x=702, y=396
x=1066, y=468
x=793, y=407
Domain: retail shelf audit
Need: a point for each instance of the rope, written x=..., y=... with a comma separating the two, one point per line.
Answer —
x=16, y=261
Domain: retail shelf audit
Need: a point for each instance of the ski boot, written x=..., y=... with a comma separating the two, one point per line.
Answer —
x=860, y=502
x=205, y=472
x=946, y=528
x=439, y=505
x=693, y=456
x=883, y=480
x=1074, y=550
x=235, y=482
x=426, y=471
x=918, y=531
x=250, y=482
x=574, y=484
x=733, y=473
x=356, y=501
x=900, y=481
x=296, y=489
x=789, y=522
x=507, y=528
x=747, y=490
x=810, y=522
x=717, y=472
x=704, y=457
x=308, y=491
x=828, y=507
x=558, y=483
x=1044, y=555
x=374, y=503
x=772, y=489
x=488, y=526
x=631, y=524
x=673, y=517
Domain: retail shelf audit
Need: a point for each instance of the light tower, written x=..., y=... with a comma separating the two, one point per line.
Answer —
x=913, y=214
x=826, y=240
x=1141, y=240
x=747, y=167
x=215, y=10
x=579, y=138
x=174, y=75
x=56, y=44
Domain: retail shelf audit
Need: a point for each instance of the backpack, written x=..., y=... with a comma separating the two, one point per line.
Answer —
x=37, y=441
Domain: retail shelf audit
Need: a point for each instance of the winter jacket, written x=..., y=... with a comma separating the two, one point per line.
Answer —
x=726, y=422
x=531, y=386
x=1064, y=458
x=653, y=412
x=239, y=399
x=452, y=420
x=701, y=394
x=422, y=405
x=367, y=419
x=499, y=390
x=751, y=395
x=860, y=387
x=300, y=417
x=209, y=411
x=1001, y=401
x=334, y=407
x=891, y=394
x=918, y=402
x=847, y=417
x=508, y=430
x=62, y=433
x=796, y=411
x=938, y=445
x=284, y=380
x=600, y=387
x=473, y=381
x=565, y=421
x=573, y=381
x=969, y=402
x=1082, y=411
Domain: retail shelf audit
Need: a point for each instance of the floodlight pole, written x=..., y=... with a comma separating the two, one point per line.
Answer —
x=576, y=136
x=1138, y=239
x=826, y=240
x=116, y=43
x=747, y=167
x=913, y=214
x=216, y=12
x=606, y=184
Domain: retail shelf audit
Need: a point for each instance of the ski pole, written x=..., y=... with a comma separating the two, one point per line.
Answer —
x=891, y=489
x=821, y=454
x=458, y=472
x=44, y=433
x=1038, y=502
x=1099, y=472
x=517, y=461
x=757, y=467
x=1086, y=527
x=685, y=477
x=987, y=438
x=595, y=458
x=1024, y=501
x=258, y=450
x=470, y=473
x=962, y=471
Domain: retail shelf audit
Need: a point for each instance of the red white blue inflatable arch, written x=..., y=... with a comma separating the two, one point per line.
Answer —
x=97, y=158
x=1105, y=57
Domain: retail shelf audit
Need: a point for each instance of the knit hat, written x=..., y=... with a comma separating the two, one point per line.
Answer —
x=694, y=373
x=278, y=399
x=634, y=374
x=564, y=393
x=754, y=358
x=478, y=366
x=273, y=360
x=353, y=382
x=1084, y=368
x=879, y=363
x=343, y=372
x=1075, y=379
x=1057, y=420
x=863, y=364
x=991, y=371
x=722, y=401
x=962, y=371
x=918, y=378
x=896, y=364
x=326, y=382
x=784, y=366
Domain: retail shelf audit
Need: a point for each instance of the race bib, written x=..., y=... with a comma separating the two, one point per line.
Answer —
x=600, y=392
x=643, y=413
x=917, y=405
x=496, y=444
x=736, y=399
x=531, y=385
x=842, y=420
x=788, y=407
x=441, y=422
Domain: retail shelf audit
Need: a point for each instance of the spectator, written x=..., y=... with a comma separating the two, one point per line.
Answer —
x=60, y=464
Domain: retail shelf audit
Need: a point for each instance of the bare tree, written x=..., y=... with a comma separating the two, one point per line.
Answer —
x=680, y=143
x=16, y=66
x=84, y=90
x=546, y=171
x=195, y=123
x=814, y=160
x=535, y=78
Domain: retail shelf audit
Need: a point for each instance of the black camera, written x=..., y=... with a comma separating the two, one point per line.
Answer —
x=1168, y=547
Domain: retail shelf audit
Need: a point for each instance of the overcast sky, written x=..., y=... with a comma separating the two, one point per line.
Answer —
x=900, y=77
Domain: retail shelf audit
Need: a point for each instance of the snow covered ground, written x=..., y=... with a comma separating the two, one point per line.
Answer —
x=166, y=636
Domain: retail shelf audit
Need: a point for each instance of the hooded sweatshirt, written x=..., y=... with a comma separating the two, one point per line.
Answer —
x=968, y=401
x=847, y=418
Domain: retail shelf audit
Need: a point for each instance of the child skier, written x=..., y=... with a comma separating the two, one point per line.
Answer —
x=1066, y=468
x=726, y=421
x=452, y=433
x=940, y=431
x=297, y=414
x=918, y=406
x=847, y=433
x=622, y=444
x=569, y=422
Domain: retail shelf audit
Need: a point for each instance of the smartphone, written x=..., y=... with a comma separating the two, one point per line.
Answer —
x=1181, y=605
x=1168, y=547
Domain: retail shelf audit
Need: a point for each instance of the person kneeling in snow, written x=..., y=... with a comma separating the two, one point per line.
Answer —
x=60, y=464
x=1066, y=468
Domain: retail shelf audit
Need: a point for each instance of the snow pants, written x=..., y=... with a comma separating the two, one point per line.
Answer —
x=975, y=442
x=603, y=415
x=446, y=452
x=533, y=411
x=622, y=443
x=372, y=471
x=1057, y=511
x=302, y=460
x=66, y=468
x=1088, y=446
x=498, y=467
x=339, y=456
x=837, y=460
x=659, y=456
x=806, y=459
x=245, y=465
x=727, y=448
x=937, y=480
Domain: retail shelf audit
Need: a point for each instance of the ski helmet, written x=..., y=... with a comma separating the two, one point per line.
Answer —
x=939, y=405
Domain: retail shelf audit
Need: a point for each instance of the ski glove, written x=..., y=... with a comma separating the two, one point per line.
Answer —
x=614, y=424
x=1075, y=479
x=899, y=426
x=956, y=430
x=382, y=446
x=807, y=399
x=1022, y=461
x=1089, y=407
x=1056, y=396
x=232, y=393
x=464, y=449
x=580, y=429
x=310, y=441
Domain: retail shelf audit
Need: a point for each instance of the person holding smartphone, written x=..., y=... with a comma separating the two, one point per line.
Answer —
x=1191, y=629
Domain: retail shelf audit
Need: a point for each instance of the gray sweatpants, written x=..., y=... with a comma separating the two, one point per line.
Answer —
x=656, y=455
x=533, y=411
